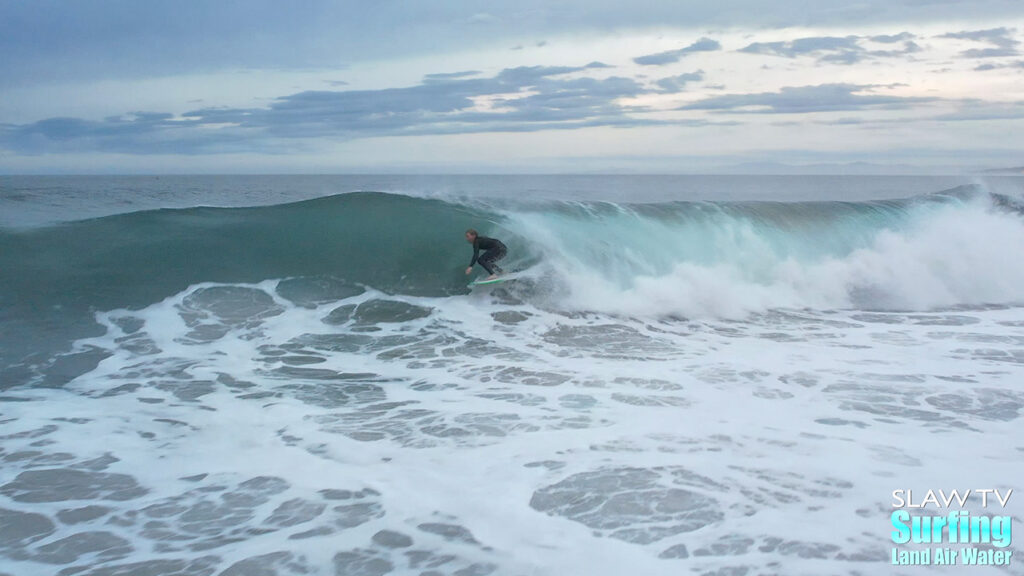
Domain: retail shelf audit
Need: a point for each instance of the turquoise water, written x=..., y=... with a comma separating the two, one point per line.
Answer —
x=239, y=375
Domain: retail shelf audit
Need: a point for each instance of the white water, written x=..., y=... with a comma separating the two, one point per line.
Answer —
x=501, y=438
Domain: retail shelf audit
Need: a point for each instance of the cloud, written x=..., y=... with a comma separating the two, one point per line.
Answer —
x=525, y=98
x=56, y=41
x=892, y=38
x=674, y=84
x=989, y=52
x=527, y=75
x=1002, y=37
x=662, y=58
x=835, y=49
x=1001, y=42
x=443, y=76
x=909, y=47
x=146, y=133
x=806, y=99
x=802, y=46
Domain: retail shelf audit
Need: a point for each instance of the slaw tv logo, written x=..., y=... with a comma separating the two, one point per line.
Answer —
x=944, y=528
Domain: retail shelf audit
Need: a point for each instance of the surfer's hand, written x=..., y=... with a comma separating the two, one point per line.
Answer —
x=469, y=271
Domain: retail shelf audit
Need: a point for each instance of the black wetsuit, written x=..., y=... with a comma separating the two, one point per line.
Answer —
x=493, y=249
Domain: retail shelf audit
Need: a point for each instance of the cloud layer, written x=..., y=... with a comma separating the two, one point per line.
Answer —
x=51, y=40
x=525, y=98
x=161, y=78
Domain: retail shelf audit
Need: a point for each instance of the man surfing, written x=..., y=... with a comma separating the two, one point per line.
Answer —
x=493, y=249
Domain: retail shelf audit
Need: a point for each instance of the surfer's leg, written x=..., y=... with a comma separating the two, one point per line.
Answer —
x=487, y=263
x=492, y=257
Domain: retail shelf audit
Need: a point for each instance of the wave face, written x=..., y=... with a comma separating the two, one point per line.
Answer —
x=394, y=242
x=686, y=258
x=54, y=279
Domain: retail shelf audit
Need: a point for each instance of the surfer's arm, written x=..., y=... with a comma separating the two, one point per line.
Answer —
x=476, y=254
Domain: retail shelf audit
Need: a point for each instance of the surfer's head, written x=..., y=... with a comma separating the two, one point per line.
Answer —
x=471, y=235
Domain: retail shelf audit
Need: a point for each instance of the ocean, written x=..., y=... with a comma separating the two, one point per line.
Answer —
x=716, y=375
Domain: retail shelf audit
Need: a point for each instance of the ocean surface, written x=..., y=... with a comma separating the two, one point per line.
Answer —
x=717, y=375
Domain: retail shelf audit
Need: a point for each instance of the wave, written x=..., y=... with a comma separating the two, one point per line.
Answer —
x=951, y=249
x=688, y=258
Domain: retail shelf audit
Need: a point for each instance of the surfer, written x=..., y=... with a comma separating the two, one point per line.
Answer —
x=493, y=249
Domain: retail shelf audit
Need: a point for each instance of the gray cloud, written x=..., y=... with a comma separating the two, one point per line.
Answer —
x=674, y=84
x=442, y=76
x=802, y=46
x=835, y=49
x=670, y=56
x=144, y=133
x=989, y=52
x=555, y=98
x=1002, y=37
x=1001, y=42
x=892, y=38
x=805, y=99
x=988, y=66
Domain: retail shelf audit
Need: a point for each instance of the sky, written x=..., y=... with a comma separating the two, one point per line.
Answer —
x=260, y=86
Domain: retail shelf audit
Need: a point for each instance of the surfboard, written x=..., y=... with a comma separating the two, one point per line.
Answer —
x=497, y=280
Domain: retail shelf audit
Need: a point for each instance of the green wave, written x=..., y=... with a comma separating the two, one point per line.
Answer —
x=53, y=279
